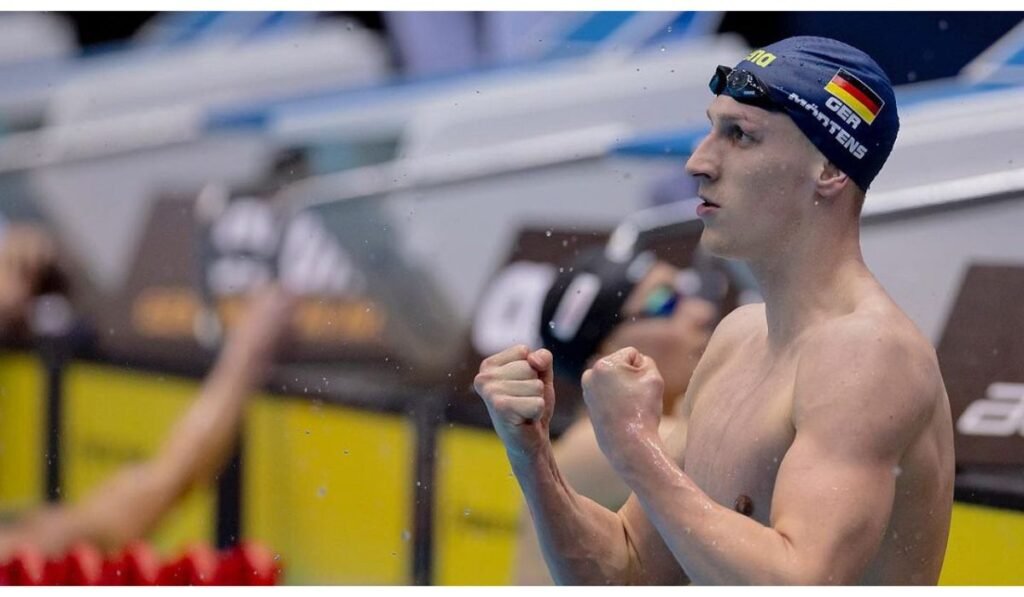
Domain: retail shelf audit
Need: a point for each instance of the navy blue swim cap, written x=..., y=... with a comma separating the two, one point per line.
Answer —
x=834, y=93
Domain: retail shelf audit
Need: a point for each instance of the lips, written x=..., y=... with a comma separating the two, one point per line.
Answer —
x=706, y=207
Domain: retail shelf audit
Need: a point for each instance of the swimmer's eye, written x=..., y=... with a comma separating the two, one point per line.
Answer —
x=739, y=134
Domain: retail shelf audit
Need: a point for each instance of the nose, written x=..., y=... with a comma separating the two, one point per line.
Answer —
x=703, y=162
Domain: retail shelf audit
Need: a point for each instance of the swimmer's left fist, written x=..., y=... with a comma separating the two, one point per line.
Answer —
x=623, y=392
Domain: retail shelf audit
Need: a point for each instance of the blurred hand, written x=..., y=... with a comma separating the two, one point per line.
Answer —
x=518, y=388
x=26, y=252
x=623, y=392
x=262, y=327
x=675, y=343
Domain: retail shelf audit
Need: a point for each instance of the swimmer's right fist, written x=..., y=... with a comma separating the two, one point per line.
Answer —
x=518, y=388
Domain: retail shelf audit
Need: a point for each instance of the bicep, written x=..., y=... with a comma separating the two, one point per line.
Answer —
x=832, y=504
x=860, y=398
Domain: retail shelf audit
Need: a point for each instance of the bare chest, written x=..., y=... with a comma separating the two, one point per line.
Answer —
x=739, y=430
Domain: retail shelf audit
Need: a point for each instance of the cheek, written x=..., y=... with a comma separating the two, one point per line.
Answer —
x=658, y=340
x=779, y=180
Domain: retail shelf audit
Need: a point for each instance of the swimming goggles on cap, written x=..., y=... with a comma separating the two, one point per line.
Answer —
x=742, y=86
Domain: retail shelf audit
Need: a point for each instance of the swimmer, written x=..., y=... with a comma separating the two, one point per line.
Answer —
x=817, y=437
x=132, y=502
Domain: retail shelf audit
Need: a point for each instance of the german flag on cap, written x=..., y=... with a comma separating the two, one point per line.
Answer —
x=854, y=93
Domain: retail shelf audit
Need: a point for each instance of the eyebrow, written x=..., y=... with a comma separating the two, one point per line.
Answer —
x=733, y=117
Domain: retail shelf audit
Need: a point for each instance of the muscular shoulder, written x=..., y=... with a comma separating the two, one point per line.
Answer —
x=869, y=374
x=738, y=325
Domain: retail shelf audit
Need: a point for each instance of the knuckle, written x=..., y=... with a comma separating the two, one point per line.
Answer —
x=503, y=404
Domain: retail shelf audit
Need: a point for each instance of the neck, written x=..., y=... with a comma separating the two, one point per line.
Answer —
x=816, y=276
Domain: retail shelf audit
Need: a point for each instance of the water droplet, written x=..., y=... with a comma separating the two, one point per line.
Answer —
x=406, y=535
x=345, y=452
x=943, y=25
x=321, y=492
x=467, y=512
x=551, y=324
x=669, y=29
x=547, y=233
x=662, y=48
x=277, y=557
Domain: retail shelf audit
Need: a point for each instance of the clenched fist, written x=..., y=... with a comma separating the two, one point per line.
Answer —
x=517, y=387
x=623, y=392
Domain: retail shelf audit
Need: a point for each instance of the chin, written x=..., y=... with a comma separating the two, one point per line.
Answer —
x=715, y=243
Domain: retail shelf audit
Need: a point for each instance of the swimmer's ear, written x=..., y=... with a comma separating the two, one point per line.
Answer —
x=831, y=181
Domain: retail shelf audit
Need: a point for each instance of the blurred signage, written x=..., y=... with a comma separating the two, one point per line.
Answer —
x=187, y=285
x=981, y=353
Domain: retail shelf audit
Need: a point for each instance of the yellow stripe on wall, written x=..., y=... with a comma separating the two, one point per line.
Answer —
x=986, y=547
x=22, y=421
x=114, y=417
x=330, y=490
x=477, y=510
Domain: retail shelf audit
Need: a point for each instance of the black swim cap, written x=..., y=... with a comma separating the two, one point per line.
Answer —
x=584, y=305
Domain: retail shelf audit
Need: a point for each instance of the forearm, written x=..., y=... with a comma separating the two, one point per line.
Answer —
x=715, y=545
x=582, y=542
x=200, y=443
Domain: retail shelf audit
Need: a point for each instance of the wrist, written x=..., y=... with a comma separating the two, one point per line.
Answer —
x=638, y=451
x=523, y=456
